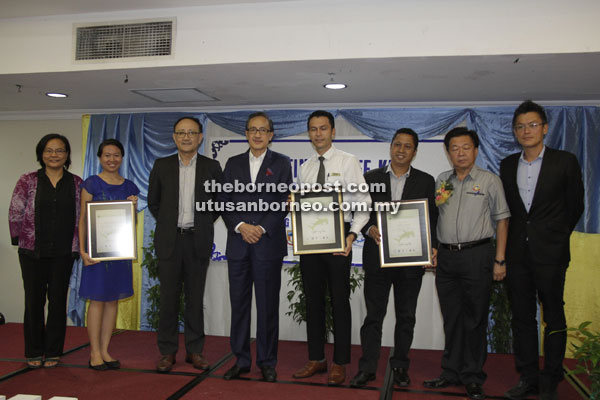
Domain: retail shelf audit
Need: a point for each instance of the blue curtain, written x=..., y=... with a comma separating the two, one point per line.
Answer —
x=147, y=137
x=285, y=122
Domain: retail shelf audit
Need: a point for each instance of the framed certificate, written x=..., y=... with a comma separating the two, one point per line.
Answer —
x=405, y=233
x=111, y=230
x=316, y=231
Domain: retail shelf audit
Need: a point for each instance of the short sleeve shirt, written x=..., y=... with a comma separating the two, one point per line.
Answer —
x=472, y=210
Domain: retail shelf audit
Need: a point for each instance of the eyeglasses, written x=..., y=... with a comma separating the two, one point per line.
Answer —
x=191, y=134
x=262, y=131
x=531, y=125
x=58, y=152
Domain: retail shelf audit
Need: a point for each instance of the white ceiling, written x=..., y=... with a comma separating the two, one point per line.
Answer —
x=461, y=80
x=37, y=8
x=572, y=78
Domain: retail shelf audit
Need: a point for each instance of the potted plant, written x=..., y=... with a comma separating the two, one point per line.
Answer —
x=297, y=299
x=150, y=262
x=586, y=350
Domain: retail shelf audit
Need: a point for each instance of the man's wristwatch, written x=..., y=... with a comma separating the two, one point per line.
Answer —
x=500, y=263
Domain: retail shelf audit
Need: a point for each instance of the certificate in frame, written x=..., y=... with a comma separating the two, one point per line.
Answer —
x=111, y=231
x=405, y=235
x=316, y=232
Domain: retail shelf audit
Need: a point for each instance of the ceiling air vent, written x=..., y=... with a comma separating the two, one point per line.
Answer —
x=110, y=41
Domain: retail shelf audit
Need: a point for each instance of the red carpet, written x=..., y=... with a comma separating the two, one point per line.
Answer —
x=138, y=380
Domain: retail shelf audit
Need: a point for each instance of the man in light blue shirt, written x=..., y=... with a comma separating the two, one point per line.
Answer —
x=544, y=191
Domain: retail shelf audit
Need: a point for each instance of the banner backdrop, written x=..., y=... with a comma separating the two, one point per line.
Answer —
x=373, y=154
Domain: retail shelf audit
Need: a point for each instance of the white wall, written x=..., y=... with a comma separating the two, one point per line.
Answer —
x=326, y=29
x=17, y=143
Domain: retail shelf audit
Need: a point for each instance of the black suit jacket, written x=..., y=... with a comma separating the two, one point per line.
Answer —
x=419, y=185
x=163, y=203
x=556, y=207
x=275, y=168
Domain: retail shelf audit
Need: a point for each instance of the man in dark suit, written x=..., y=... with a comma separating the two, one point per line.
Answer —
x=183, y=240
x=256, y=245
x=402, y=182
x=544, y=191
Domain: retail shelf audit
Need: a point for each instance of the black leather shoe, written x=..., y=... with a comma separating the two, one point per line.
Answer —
x=269, y=374
x=549, y=395
x=439, y=383
x=113, y=364
x=99, y=367
x=401, y=377
x=235, y=372
x=475, y=391
x=522, y=390
x=361, y=379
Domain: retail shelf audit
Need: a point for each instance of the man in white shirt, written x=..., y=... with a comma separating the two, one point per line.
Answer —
x=330, y=270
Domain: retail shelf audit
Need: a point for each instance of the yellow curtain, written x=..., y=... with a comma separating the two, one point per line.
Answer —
x=582, y=286
x=128, y=316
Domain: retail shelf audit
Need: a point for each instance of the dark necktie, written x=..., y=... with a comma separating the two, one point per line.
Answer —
x=321, y=173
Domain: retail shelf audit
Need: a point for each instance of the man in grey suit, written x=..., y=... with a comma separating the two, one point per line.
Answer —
x=183, y=240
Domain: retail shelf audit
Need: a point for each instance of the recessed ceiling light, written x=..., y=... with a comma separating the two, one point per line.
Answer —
x=335, y=86
x=58, y=95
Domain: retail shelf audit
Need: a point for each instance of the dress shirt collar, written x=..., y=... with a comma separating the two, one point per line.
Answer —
x=328, y=154
x=390, y=170
x=259, y=158
x=540, y=156
x=473, y=173
x=192, y=161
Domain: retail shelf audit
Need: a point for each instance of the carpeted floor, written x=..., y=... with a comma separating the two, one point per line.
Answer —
x=138, y=379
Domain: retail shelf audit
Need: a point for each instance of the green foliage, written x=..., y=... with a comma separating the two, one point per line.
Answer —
x=150, y=262
x=499, y=330
x=297, y=298
x=586, y=350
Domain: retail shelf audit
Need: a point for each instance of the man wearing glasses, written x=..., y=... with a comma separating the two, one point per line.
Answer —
x=544, y=191
x=256, y=245
x=183, y=240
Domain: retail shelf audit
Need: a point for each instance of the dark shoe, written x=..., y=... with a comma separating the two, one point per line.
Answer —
x=475, y=391
x=549, y=395
x=115, y=364
x=337, y=374
x=522, y=390
x=269, y=374
x=361, y=379
x=197, y=360
x=401, y=377
x=235, y=372
x=439, y=383
x=165, y=364
x=311, y=368
x=99, y=367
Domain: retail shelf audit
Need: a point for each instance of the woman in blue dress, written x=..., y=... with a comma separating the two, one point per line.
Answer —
x=104, y=283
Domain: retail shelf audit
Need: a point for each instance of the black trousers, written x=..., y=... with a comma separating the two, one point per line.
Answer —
x=320, y=271
x=378, y=281
x=463, y=281
x=45, y=277
x=528, y=282
x=187, y=270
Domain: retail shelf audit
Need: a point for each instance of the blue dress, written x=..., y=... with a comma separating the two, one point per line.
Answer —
x=107, y=280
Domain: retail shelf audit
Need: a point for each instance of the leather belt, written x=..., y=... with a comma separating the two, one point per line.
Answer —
x=466, y=245
x=185, y=231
